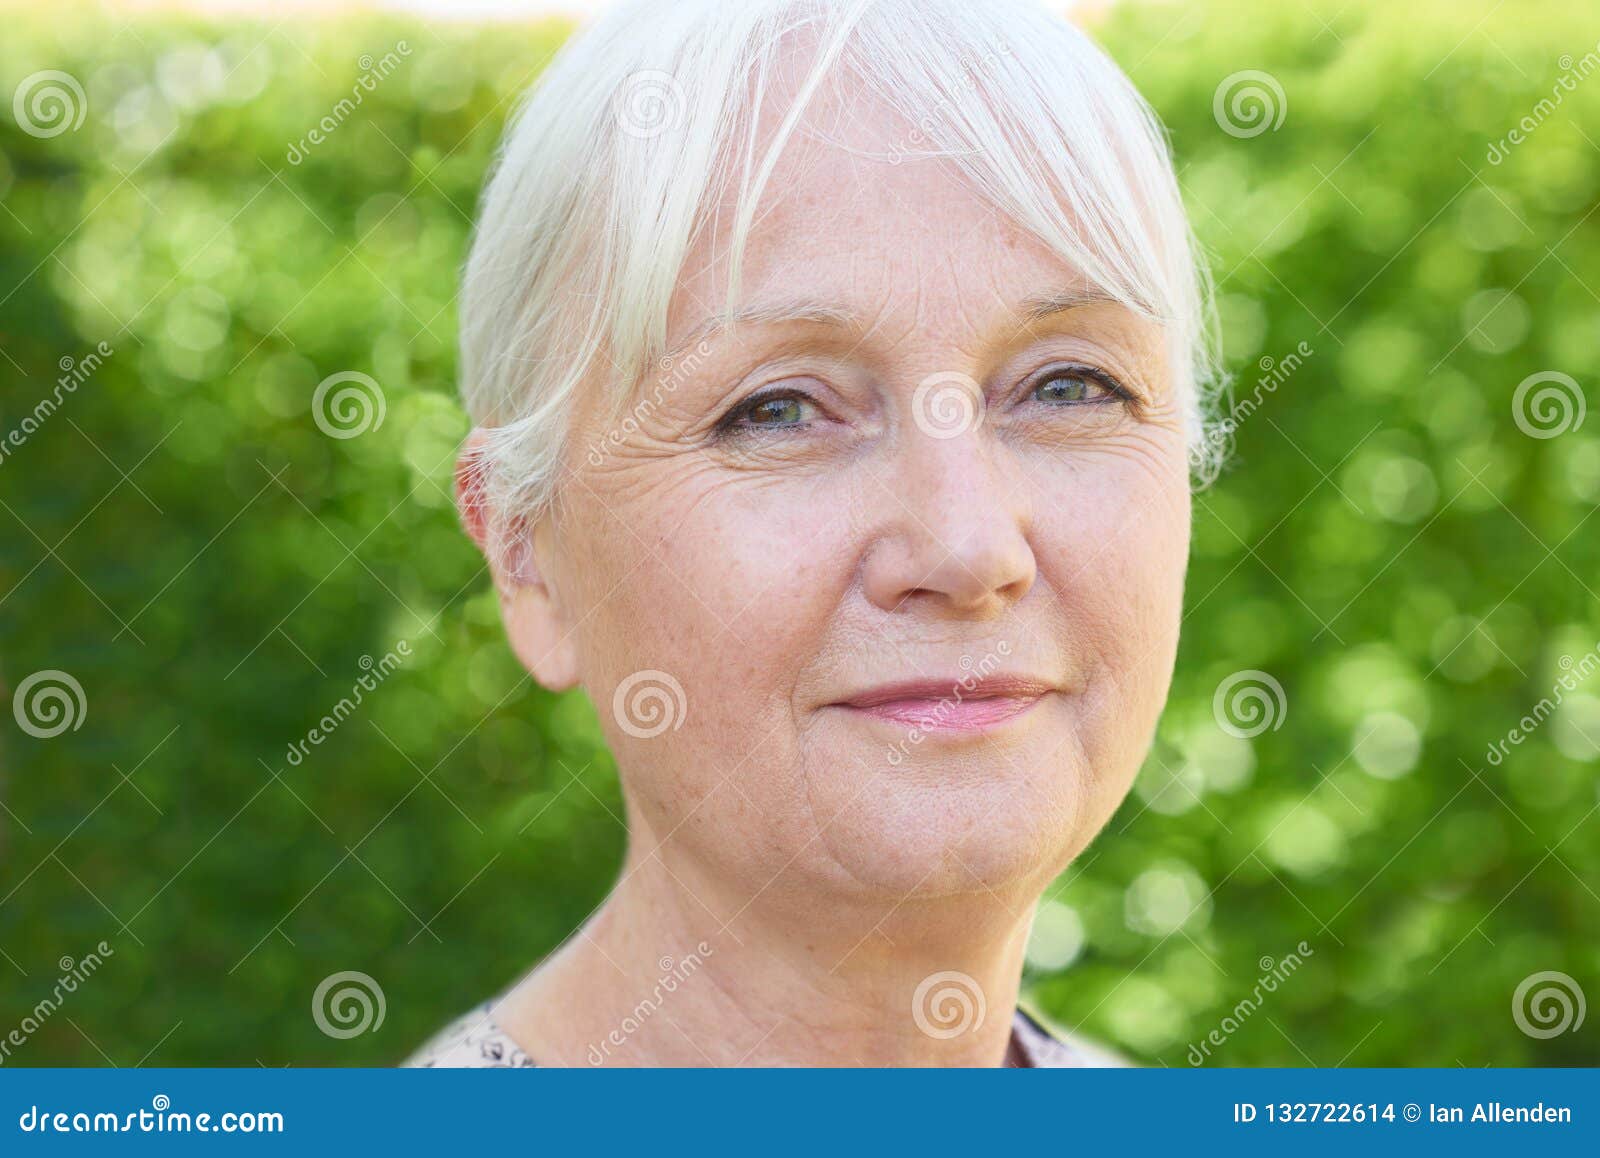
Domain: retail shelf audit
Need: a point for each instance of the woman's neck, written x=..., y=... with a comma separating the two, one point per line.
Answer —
x=673, y=971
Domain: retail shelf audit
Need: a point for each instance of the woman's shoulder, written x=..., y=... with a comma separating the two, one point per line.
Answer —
x=474, y=1041
x=1048, y=1046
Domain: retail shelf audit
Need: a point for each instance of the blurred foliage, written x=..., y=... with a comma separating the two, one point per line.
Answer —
x=217, y=573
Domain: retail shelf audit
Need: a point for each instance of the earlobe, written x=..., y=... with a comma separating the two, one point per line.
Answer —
x=541, y=636
x=535, y=617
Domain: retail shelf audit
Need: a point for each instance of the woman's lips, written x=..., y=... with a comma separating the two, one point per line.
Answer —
x=935, y=706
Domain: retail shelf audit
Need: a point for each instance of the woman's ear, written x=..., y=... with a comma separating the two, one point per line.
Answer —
x=517, y=549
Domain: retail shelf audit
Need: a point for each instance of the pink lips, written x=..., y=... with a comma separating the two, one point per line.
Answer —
x=949, y=706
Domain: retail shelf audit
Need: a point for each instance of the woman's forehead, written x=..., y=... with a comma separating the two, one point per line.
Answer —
x=842, y=231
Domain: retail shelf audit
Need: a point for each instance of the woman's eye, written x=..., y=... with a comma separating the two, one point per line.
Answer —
x=1068, y=387
x=772, y=412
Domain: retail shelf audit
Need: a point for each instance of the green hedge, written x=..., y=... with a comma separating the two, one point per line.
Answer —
x=216, y=572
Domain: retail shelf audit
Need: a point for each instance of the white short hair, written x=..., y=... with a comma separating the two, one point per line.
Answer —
x=604, y=178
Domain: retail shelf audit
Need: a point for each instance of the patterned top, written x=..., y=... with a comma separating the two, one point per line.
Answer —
x=474, y=1041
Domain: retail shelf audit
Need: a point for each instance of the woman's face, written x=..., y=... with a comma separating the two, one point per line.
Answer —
x=909, y=534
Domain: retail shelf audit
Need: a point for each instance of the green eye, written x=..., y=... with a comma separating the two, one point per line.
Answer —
x=780, y=409
x=1068, y=388
x=784, y=410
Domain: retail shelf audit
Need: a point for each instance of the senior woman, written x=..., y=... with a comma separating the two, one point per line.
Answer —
x=838, y=370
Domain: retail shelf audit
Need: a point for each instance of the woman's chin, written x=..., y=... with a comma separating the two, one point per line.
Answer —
x=903, y=857
x=954, y=815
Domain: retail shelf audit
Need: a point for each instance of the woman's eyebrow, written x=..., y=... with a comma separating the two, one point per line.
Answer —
x=1036, y=309
x=778, y=313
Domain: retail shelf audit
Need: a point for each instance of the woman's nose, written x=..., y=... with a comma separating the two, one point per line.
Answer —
x=953, y=525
